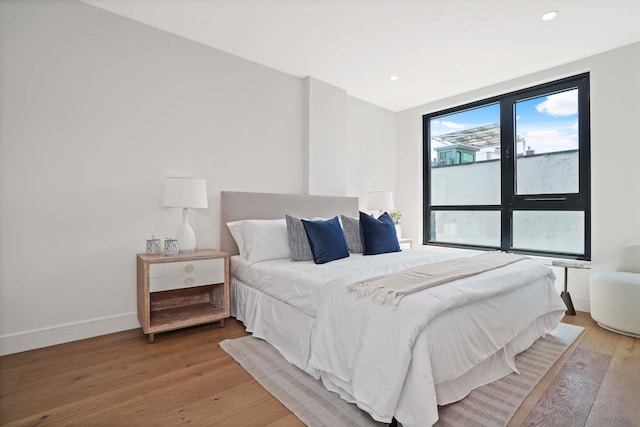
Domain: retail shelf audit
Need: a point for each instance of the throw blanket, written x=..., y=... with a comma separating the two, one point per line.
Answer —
x=389, y=289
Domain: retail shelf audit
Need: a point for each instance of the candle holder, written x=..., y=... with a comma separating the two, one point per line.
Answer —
x=171, y=247
x=153, y=246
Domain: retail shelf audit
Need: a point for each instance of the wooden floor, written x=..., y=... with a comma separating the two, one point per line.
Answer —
x=185, y=378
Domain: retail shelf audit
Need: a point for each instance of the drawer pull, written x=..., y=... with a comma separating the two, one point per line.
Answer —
x=189, y=281
x=188, y=268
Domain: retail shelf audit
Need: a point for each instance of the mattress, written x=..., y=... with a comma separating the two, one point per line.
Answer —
x=456, y=351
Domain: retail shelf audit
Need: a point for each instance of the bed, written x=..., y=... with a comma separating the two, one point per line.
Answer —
x=402, y=361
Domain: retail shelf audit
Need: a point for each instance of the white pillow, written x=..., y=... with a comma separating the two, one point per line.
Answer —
x=235, y=229
x=261, y=239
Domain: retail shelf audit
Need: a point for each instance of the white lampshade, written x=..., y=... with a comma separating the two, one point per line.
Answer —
x=380, y=201
x=185, y=193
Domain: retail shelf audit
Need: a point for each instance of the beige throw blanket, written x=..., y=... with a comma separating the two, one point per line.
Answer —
x=389, y=289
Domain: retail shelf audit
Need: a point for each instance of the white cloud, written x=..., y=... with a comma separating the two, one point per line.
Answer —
x=543, y=133
x=452, y=125
x=560, y=104
x=547, y=140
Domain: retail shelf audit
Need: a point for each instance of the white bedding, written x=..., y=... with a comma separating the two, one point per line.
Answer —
x=300, y=283
x=487, y=320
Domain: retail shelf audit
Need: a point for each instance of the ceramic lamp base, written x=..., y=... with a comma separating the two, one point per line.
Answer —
x=186, y=237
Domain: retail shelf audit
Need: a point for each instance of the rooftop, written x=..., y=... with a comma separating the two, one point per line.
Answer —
x=479, y=137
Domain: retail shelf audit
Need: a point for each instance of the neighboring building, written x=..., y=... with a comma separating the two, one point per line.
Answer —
x=455, y=155
x=470, y=145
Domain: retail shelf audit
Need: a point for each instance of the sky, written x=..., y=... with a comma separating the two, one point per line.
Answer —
x=547, y=123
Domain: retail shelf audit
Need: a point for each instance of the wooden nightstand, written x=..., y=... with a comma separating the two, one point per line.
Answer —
x=176, y=291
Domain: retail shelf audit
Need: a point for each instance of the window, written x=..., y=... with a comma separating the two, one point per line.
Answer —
x=512, y=172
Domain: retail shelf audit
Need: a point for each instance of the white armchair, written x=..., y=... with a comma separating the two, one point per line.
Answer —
x=615, y=295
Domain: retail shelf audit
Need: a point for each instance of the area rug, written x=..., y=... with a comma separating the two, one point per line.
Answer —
x=491, y=405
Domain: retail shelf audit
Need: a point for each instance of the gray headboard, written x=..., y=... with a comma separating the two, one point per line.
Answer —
x=235, y=206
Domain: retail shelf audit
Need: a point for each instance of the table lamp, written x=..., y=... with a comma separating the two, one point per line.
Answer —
x=381, y=201
x=185, y=193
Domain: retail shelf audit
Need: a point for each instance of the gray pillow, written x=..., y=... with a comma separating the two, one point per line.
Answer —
x=351, y=230
x=298, y=240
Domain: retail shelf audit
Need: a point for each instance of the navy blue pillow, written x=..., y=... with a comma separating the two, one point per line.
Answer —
x=326, y=240
x=378, y=235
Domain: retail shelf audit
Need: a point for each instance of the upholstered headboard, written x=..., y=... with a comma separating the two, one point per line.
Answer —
x=235, y=206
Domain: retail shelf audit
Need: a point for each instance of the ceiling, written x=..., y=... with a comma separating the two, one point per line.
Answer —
x=436, y=48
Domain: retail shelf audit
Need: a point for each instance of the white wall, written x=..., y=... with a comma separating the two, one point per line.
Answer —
x=96, y=110
x=352, y=143
x=615, y=153
x=371, y=149
x=327, y=138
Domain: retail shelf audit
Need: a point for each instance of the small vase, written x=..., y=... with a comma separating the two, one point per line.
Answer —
x=398, y=230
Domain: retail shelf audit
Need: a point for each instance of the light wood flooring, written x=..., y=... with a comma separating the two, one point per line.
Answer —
x=185, y=378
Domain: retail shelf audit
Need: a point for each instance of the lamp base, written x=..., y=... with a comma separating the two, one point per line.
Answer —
x=186, y=237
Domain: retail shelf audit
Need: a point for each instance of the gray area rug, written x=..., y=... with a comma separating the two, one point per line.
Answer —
x=490, y=405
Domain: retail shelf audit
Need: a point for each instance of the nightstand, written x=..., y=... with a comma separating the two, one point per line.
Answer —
x=405, y=243
x=177, y=291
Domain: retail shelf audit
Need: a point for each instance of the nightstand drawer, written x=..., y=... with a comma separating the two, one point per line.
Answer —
x=166, y=283
x=181, y=268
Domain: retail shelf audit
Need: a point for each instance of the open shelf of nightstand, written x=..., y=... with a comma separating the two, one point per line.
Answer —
x=185, y=307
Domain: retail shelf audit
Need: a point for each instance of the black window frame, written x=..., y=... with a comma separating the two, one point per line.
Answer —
x=510, y=201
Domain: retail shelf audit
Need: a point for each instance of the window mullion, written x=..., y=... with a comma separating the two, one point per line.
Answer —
x=426, y=181
x=507, y=172
x=585, y=159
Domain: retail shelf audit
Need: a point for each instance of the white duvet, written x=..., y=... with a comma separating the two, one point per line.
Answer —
x=403, y=361
x=301, y=283
x=364, y=350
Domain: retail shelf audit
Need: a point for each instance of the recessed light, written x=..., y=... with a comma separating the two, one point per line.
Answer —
x=393, y=77
x=549, y=15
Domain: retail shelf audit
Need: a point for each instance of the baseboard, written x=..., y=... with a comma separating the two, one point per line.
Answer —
x=59, y=334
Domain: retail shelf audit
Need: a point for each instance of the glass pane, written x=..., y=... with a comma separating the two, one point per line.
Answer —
x=465, y=153
x=553, y=231
x=467, y=227
x=547, y=144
